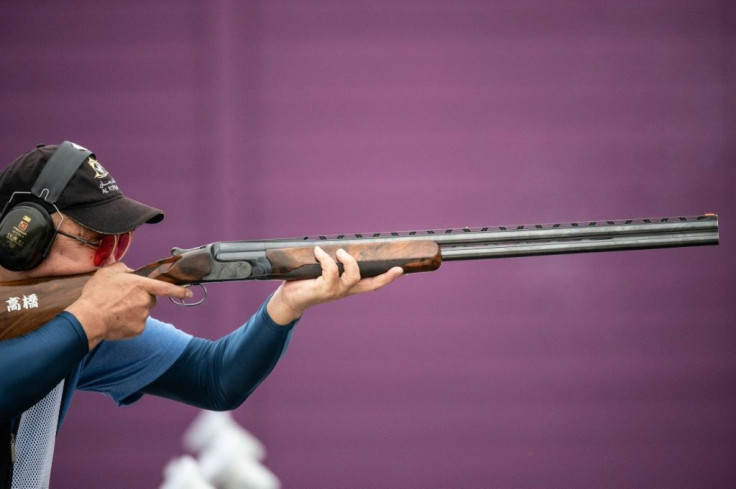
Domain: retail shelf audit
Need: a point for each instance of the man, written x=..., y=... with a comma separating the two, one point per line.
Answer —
x=106, y=340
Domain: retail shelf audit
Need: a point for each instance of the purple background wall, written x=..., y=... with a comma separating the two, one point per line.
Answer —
x=277, y=119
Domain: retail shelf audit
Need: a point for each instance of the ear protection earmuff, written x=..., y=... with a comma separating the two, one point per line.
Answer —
x=26, y=228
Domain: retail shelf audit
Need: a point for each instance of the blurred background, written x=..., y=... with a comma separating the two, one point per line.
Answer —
x=266, y=119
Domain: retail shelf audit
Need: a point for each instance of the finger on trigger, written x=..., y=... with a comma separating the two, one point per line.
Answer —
x=184, y=293
x=158, y=287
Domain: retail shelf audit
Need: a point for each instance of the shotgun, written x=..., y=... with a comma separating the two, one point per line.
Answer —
x=27, y=304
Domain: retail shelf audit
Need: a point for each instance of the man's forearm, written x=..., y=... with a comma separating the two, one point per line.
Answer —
x=220, y=375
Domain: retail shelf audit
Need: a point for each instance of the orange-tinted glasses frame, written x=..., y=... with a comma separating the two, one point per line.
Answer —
x=115, y=245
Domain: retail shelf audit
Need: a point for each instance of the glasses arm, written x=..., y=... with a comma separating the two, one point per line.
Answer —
x=93, y=244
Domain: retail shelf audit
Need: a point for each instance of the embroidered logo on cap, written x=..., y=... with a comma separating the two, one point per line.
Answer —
x=99, y=170
x=107, y=182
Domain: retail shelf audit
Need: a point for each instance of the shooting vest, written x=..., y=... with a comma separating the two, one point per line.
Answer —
x=28, y=445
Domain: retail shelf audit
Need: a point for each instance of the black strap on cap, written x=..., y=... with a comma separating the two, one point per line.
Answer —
x=60, y=168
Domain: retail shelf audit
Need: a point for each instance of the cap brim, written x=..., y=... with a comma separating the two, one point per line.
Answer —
x=115, y=216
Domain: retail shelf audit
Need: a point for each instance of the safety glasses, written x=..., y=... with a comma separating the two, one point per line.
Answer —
x=115, y=245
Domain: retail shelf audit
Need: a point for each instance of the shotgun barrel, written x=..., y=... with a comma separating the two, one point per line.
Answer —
x=514, y=241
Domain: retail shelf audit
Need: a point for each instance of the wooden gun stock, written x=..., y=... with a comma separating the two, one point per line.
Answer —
x=30, y=303
x=24, y=311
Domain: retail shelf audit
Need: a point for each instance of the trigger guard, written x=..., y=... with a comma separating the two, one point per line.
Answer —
x=181, y=302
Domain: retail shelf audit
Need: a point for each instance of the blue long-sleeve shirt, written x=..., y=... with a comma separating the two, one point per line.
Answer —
x=162, y=361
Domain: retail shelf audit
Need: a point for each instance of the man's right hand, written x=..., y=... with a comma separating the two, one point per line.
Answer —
x=115, y=303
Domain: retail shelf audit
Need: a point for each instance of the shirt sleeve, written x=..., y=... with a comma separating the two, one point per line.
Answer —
x=122, y=368
x=34, y=363
x=220, y=375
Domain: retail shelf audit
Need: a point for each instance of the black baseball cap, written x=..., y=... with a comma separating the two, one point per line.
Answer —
x=92, y=197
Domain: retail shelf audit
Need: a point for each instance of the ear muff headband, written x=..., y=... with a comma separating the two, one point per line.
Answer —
x=26, y=228
x=59, y=170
